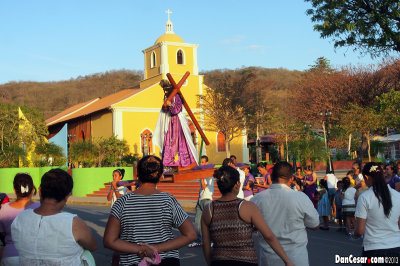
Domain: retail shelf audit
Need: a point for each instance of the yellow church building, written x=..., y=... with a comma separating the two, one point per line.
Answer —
x=132, y=114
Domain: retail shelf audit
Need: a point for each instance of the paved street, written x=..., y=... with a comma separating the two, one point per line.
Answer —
x=323, y=245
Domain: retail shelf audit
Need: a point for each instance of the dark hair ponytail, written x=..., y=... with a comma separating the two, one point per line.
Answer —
x=226, y=177
x=379, y=186
x=323, y=184
x=23, y=185
x=121, y=172
x=346, y=183
x=262, y=165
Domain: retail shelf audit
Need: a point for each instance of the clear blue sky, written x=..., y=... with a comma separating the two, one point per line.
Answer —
x=46, y=40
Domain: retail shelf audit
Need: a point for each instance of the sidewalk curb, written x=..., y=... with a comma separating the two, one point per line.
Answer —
x=187, y=205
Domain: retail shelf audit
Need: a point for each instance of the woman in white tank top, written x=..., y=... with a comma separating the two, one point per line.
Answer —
x=47, y=236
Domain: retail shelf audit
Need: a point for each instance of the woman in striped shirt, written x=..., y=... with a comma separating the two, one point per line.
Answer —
x=141, y=222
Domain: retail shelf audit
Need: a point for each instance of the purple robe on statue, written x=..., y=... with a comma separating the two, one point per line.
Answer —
x=176, y=150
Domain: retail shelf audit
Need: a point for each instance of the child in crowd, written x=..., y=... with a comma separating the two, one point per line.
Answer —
x=337, y=205
x=323, y=204
x=248, y=184
x=350, y=176
x=118, y=188
x=348, y=205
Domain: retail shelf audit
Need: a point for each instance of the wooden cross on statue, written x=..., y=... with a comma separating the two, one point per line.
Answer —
x=177, y=90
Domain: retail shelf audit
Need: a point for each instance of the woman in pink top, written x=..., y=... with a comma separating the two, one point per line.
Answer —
x=24, y=190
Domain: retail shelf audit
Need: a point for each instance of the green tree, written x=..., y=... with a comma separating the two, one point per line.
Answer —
x=255, y=105
x=308, y=147
x=81, y=152
x=15, y=141
x=32, y=132
x=116, y=150
x=377, y=147
x=101, y=152
x=37, y=120
x=130, y=160
x=9, y=140
x=388, y=106
x=49, y=154
x=364, y=120
x=322, y=64
x=101, y=149
x=369, y=26
x=286, y=127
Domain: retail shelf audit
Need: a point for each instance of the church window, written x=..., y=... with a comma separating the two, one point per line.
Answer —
x=153, y=60
x=180, y=60
x=146, y=142
x=221, y=142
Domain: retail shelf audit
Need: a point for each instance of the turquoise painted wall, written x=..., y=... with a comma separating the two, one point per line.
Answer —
x=7, y=176
x=87, y=180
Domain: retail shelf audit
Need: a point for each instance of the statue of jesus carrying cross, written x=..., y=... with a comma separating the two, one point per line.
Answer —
x=172, y=133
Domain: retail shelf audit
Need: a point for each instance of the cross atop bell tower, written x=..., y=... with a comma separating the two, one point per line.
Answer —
x=169, y=27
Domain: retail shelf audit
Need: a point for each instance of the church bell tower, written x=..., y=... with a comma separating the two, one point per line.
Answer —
x=169, y=54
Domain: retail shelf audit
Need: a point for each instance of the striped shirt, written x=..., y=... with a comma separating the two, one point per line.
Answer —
x=147, y=219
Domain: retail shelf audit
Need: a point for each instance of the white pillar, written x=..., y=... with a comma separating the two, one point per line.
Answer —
x=117, y=123
x=164, y=67
x=195, y=67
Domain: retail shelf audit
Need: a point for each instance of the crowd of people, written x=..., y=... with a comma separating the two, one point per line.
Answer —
x=260, y=219
x=290, y=203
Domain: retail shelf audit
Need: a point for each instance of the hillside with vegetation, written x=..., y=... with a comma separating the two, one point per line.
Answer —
x=53, y=97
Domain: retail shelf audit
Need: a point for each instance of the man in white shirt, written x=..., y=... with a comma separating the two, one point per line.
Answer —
x=288, y=213
x=205, y=197
x=242, y=175
x=331, y=180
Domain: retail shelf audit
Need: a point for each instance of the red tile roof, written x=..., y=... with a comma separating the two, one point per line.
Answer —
x=91, y=106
